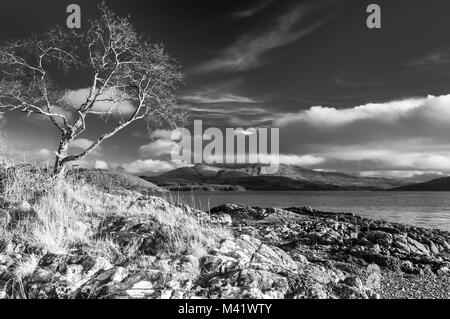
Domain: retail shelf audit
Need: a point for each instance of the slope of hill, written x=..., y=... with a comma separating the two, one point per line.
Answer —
x=114, y=180
x=436, y=185
x=253, y=177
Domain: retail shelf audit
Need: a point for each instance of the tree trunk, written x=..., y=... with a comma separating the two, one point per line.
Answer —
x=63, y=147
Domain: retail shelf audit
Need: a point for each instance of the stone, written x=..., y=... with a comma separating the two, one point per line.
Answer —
x=349, y=292
x=433, y=248
x=119, y=274
x=380, y=237
x=375, y=249
x=417, y=247
x=353, y=281
x=317, y=291
x=443, y=271
x=224, y=219
x=409, y=268
x=24, y=206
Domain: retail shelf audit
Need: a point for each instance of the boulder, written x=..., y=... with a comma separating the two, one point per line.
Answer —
x=417, y=247
x=379, y=237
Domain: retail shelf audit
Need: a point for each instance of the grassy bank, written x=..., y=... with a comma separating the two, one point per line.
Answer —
x=40, y=214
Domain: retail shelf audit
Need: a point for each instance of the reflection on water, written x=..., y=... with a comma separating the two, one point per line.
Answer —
x=425, y=209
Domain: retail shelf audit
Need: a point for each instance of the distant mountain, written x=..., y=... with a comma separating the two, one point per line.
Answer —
x=256, y=177
x=114, y=180
x=435, y=185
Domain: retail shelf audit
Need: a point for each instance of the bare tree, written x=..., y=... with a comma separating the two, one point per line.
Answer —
x=122, y=67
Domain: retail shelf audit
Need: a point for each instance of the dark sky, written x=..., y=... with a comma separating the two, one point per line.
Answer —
x=345, y=97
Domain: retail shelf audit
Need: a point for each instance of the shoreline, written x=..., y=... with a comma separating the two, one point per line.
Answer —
x=419, y=209
x=413, y=259
x=157, y=250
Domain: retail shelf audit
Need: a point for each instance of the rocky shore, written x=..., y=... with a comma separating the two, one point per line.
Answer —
x=268, y=253
x=347, y=256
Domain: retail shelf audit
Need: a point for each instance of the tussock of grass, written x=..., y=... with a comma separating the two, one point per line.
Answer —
x=65, y=215
x=26, y=267
x=24, y=182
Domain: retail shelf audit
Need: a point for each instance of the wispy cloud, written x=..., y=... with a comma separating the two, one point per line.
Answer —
x=436, y=57
x=207, y=97
x=253, y=10
x=248, y=52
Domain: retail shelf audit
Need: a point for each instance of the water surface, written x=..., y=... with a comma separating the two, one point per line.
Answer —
x=425, y=209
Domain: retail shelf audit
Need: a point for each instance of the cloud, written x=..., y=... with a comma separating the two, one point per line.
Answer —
x=253, y=10
x=149, y=167
x=157, y=148
x=410, y=134
x=160, y=146
x=81, y=143
x=155, y=156
x=435, y=57
x=208, y=97
x=329, y=116
x=101, y=165
x=248, y=52
x=75, y=98
x=54, y=109
x=43, y=153
x=241, y=131
x=304, y=160
x=231, y=114
x=424, y=175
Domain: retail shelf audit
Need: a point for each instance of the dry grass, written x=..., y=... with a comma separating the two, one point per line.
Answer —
x=62, y=214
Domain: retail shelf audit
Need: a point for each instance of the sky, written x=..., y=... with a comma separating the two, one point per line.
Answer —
x=374, y=102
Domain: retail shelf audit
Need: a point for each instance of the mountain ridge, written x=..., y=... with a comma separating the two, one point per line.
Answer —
x=438, y=185
x=253, y=177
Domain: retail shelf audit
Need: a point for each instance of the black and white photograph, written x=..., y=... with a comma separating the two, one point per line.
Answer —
x=221, y=151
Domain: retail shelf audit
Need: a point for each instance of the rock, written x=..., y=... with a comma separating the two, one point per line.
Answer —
x=374, y=296
x=224, y=219
x=433, y=248
x=380, y=237
x=142, y=290
x=401, y=243
x=353, y=281
x=119, y=274
x=417, y=247
x=443, y=271
x=320, y=274
x=373, y=281
x=58, y=276
x=408, y=267
x=24, y=206
x=444, y=244
x=375, y=249
x=349, y=292
x=308, y=209
x=317, y=291
x=274, y=259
